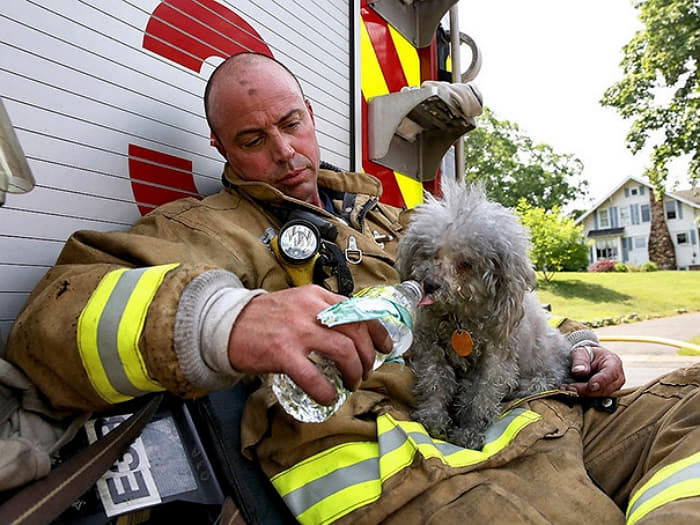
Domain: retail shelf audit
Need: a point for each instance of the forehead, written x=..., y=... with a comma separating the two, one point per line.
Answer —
x=251, y=92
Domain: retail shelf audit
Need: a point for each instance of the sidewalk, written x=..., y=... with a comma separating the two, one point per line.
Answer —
x=644, y=361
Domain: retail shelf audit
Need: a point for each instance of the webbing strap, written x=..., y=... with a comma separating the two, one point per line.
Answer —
x=337, y=481
x=109, y=329
x=673, y=482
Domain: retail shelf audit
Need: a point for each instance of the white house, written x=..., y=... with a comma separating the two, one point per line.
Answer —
x=619, y=224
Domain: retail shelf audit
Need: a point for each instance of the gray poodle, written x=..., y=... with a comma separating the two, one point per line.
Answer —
x=471, y=256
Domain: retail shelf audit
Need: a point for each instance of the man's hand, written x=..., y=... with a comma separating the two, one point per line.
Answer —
x=603, y=375
x=277, y=331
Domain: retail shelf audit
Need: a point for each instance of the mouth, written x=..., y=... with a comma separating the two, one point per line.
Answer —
x=293, y=177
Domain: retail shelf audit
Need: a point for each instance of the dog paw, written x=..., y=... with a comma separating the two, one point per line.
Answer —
x=467, y=438
x=435, y=423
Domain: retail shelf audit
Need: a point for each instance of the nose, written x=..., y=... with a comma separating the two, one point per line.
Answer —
x=282, y=150
x=431, y=285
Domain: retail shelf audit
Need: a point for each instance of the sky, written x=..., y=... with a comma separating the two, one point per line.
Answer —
x=545, y=66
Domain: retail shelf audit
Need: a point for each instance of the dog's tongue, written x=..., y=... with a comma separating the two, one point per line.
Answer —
x=426, y=300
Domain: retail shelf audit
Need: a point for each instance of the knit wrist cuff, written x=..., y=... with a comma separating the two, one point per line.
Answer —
x=207, y=309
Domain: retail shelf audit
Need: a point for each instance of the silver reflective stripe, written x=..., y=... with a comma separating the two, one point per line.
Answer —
x=685, y=474
x=108, y=333
x=305, y=497
x=396, y=437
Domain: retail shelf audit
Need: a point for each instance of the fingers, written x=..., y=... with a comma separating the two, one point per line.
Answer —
x=607, y=373
x=581, y=361
x=277, y=332
x=312, y=381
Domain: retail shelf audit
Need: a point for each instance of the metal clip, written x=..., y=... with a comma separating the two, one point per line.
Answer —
x=381, y=238
x=352, y=253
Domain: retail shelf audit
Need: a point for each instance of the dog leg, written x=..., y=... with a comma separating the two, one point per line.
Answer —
x=433, y=390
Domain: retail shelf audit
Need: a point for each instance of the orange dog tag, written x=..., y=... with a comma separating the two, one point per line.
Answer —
x=462, y=342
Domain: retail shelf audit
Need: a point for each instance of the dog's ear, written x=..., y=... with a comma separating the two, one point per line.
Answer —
x=514, y=279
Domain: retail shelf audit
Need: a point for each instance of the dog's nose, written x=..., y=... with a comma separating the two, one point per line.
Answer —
x=430, y=286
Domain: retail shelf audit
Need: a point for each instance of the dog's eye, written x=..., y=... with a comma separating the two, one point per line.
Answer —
x=464, y=266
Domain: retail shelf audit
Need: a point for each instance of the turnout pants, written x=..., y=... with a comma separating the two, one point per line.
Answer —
x=646, y=455
x=549, y=459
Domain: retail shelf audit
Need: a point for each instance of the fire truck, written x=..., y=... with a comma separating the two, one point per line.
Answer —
x=102, y=114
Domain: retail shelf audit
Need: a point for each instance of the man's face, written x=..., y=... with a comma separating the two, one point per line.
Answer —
x=267, y=130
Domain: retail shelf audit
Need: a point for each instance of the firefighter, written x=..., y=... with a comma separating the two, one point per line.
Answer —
x=198, y=294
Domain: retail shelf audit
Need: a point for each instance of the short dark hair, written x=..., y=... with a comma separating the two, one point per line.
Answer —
x=248, y=56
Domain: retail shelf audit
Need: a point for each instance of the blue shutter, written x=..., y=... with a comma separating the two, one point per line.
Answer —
x=595, y=220
x=646, y=213
x=625, y=255
x=679, y=207
x=634, y=212
x=613, y=217
x=692, y=237
x=641, y=190
x=627, y=192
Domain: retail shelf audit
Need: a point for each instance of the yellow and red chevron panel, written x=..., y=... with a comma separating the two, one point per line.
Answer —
x=389, y=62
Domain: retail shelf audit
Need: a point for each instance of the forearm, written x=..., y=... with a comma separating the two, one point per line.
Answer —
x=95, y=335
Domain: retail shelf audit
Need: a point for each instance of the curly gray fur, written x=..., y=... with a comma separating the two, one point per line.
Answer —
x=471, y=256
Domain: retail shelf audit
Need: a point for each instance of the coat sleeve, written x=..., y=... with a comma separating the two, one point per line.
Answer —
x=99, y=328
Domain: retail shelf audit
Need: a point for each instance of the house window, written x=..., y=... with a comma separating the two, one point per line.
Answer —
x=682, y=238
x=606, y=249
x=646, y=214
x=625, y=216
x=640, y=242
x=634, y=191
x=603, y=219
x=670, y=209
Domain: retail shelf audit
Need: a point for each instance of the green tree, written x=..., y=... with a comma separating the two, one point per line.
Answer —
x=660, y=89
x=512, y=166
x=660, y=92
x=557, y=243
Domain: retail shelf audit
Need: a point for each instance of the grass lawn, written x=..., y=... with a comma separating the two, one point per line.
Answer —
x=592, y=297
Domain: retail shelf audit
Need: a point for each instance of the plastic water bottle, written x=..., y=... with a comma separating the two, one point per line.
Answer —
x=393, y=306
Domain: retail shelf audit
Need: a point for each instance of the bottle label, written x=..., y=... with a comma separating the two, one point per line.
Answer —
x=366, y=305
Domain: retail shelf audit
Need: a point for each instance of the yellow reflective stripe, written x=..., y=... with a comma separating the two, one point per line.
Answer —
x=131, y=326
x=342, y=502
x=325, y=462
x=411, y=189
x=332, y=483
x=408, y=56
x=109, y=329
x=373, y=83
x=88, y=323
x=337, y=481
x=516, y=419
x=673, y=482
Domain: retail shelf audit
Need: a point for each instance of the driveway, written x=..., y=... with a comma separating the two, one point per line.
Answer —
x=644, y=361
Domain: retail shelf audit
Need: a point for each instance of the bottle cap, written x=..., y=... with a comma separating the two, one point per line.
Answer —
x=413, y=288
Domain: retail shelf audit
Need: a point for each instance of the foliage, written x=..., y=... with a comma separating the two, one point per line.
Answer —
x=557, y=243
x=649, y=266
x=662, y=57
x=621, y=267
x=512, y=166
x=602, y=265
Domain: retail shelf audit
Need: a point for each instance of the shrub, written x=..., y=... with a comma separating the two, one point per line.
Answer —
x=649, y=266
x=621, y=267
x=602, y=265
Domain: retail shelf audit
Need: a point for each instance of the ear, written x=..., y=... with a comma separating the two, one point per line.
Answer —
x=215, y=142
x=310, y=110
